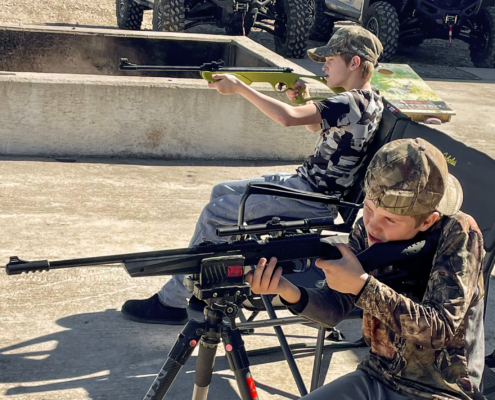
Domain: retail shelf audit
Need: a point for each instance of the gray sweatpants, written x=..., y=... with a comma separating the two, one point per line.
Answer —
x=223, y=209
x=357, y=385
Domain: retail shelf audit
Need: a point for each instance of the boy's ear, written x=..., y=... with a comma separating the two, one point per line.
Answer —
x=432, y=218
x=355, y=62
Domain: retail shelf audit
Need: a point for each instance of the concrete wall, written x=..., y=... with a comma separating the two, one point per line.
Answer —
x=96, y=115
x=75, y=115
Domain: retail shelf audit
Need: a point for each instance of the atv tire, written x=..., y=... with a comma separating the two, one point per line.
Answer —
x=291, y=27
x=321, y=24
x=382, y=20
x=169, y=15
x=129, y=14
x=482, y=49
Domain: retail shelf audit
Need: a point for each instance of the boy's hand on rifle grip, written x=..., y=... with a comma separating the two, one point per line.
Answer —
x=264, y=280
x=345, y=275
x=225, y=83
x=298, y=86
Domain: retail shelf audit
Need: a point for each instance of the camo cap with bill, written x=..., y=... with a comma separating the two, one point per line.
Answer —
x=410, y=177
x=350, y=39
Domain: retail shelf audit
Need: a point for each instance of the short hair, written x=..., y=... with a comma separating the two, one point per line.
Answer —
x=366, y=66
x=420, y=218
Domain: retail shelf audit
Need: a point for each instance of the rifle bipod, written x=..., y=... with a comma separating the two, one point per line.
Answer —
x=208, y=334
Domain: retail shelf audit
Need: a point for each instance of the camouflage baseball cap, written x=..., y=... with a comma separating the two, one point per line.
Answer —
x=350, y=39
x=410, y=177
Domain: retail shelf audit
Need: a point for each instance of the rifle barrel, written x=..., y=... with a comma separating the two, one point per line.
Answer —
x=17, y=266
x=126, y=65
x=189, y=68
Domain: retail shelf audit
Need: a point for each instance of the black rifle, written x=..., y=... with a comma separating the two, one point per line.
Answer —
x=296, y=252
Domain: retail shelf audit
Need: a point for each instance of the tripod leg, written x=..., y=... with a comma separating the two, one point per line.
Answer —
x=182, y=350
x=239, y=363
x=207, y=350
x=204, y=369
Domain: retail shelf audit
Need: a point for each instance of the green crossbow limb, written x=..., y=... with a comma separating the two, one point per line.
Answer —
x=281, y=79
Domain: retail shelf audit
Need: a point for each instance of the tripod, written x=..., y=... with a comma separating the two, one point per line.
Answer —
x=223, y=301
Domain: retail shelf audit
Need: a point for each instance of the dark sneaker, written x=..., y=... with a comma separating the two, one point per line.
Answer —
x=152, y=311
x=196, y=304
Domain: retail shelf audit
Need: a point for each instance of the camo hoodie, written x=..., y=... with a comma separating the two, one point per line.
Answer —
x=426, y=336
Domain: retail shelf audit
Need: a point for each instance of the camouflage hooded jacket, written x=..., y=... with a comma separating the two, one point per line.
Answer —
x=428, y=342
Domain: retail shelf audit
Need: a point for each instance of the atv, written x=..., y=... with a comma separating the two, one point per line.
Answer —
x=410, y=22
x=287, y=20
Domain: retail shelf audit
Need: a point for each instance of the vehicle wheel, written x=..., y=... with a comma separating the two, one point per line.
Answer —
x=321, y=24
x=129, y=14
x=234, y=28
x=482, y=49
x=291, y=27
x=382, y=20
x=412, y=42
x=169, y=15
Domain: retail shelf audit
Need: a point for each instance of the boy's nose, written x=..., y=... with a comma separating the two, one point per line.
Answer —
x=373, y=226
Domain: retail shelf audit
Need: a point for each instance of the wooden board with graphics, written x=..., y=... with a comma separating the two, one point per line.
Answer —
x=405, y=89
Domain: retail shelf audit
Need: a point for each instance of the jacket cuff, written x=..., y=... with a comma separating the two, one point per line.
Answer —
x=362, y=289
x=368, y=293
x=301, y=304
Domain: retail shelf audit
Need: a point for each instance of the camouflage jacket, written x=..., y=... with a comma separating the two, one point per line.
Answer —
x=426, y=343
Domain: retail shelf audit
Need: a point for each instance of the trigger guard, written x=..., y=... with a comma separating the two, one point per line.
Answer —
x=285, y=87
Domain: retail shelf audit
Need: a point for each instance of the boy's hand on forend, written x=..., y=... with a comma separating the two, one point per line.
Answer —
x=293, y=93
x=225, y=83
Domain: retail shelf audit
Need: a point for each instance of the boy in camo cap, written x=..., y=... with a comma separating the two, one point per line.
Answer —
x=426, y=333
x=346, y=123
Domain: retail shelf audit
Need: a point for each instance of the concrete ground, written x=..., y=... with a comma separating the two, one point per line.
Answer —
x=62, y=335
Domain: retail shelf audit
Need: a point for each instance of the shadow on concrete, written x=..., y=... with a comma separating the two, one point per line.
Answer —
x=152, y=161
x=62, y=24
x=109, y=357
x=288, y=336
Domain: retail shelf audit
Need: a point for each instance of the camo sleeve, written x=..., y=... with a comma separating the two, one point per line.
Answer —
x=455, y=283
